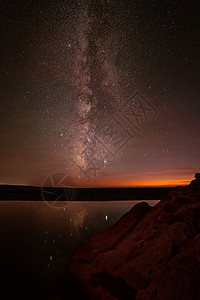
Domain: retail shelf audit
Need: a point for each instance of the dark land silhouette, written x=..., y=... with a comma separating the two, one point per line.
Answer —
x=12, y=192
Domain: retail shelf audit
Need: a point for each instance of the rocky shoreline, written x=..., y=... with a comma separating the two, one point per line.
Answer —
x=150, y=253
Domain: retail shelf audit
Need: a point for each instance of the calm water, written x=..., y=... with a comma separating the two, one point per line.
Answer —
x=38, y=240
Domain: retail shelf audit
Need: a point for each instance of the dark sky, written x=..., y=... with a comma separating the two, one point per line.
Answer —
x=106, y=92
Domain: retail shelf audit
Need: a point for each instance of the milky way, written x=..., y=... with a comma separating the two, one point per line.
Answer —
x=95, y=76
x=97, y=82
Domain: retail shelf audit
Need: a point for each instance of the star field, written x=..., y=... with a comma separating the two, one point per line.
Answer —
x=107, y=91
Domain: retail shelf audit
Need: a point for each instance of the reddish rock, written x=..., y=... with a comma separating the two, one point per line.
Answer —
x=150, y=253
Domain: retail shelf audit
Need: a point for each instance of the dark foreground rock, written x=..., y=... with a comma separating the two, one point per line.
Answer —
x=150, y=253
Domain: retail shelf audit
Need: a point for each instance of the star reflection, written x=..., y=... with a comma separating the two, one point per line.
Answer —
x=71, y=226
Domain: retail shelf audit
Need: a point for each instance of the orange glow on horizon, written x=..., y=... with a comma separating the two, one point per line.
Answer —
x=161, y=183
x=163, y=178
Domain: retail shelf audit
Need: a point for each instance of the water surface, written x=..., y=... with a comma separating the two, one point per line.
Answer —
x=38, y=240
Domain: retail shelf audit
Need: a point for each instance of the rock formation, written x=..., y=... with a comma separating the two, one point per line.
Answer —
x=150, y=253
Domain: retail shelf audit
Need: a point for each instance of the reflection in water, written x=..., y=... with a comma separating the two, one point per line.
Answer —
x=39, y=239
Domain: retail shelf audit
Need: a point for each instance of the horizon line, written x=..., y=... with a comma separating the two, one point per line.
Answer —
x=147, y=185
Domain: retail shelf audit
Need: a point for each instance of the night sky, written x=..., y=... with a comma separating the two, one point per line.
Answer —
x=106, y=92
